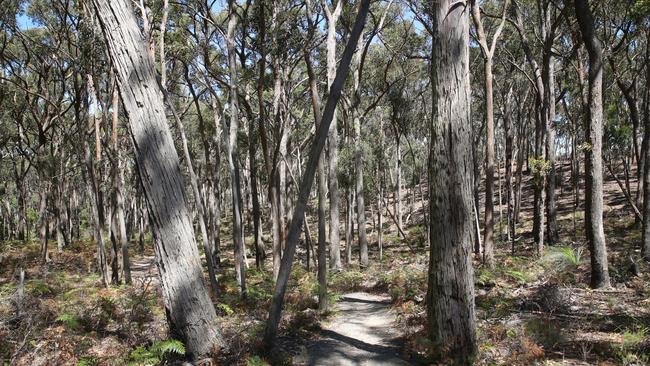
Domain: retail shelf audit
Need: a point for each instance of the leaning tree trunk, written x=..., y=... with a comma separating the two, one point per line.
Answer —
x=450, y=295
x=271, y=330
x=593, y=155
x=189, y=311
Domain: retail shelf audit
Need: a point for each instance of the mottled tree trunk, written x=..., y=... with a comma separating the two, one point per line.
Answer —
x=645, y=246
x=43, y=224
x=118, y=189
x=333, y=138
x=593, y=155
x=233, y=154
x=349, y=230
x=322, y=186
x=548, y=77
x=509, y=135
x=398, y=183
x=361, y=208
x=488, y=56
x=189, y=311
x=488, y=233
x=450, y=295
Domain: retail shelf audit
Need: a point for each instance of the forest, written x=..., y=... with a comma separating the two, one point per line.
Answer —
x=324, y=182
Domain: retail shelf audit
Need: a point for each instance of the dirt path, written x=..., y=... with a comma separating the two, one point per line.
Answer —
x=143, y=269
x=362, y=332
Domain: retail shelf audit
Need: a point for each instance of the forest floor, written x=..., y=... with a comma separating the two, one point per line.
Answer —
x=530, y=309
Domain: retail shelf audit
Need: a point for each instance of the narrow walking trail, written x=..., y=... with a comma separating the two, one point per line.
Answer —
x=363, y=332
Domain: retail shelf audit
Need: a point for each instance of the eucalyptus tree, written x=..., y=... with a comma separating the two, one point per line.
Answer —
x=488, y=50
x=450, y=294
x=233, y=150
x=188, y=307
x=593, y=154
x=332, y=14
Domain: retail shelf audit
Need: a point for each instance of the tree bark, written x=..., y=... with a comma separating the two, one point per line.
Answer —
x=361, y=208
x=645, y=247
x=118, y=187
x=333, y=138
x=322, y=186
x=233, y=154
x=593, y=155
x=43, y=224
x=450, y=294
x=189, y=311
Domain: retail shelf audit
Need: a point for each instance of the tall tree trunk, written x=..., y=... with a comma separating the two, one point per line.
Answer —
x=118, y=186
x=205, y=201
x=333, y=138
x=349, y=230
x=361, y=208
x=488, y=235
x=488, y=55
x=507, y=125
x=398, y=183
x=98, y=230
x=541, y=116
x=322, y=185
x=645, y=246
x=450, y=294
x=198, y=202
x=189, y=311
x=271, y=330
x=233, y=154
x=21, y=187
x=260, y=250
x=43, y=224
x=593, y=155
x=548, y=76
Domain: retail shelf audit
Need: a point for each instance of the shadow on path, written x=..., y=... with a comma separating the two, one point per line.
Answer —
x=362, y=333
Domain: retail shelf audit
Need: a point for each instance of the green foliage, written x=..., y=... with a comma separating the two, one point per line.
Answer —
x=629, y=351
x=545, y=332
x=585, y=146
x=346, y=281
x=417, y=236
x=562, y=257
x=539, y=167
x=39, y=287
x=225, y=308
x=87, y=361
x=155, y=353
x=256, y=361
x=518, y=275
x=69, y=320
x=633, y=338
x=485, y=276
x=404, y=284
